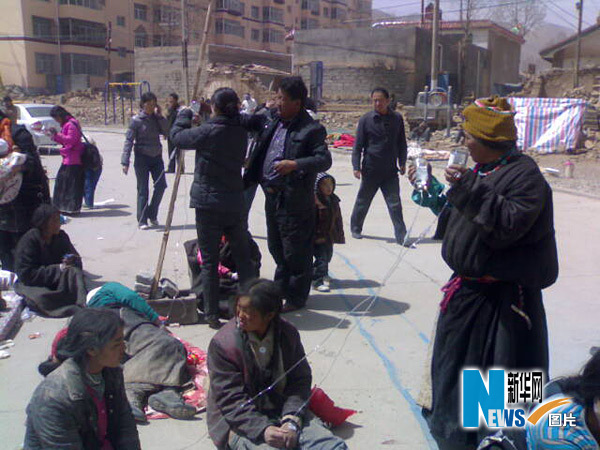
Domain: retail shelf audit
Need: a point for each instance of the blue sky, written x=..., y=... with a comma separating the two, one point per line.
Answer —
x=560, y=12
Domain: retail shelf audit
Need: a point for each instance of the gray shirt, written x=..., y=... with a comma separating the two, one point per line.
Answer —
x=143, y=136
x=274, y=155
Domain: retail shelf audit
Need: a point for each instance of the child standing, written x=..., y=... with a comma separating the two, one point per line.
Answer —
x=329, y=229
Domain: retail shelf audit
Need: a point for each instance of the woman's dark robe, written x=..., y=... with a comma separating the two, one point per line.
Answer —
x=47, y=289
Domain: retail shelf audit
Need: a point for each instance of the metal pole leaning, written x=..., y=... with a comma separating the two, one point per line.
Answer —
x=165, y=240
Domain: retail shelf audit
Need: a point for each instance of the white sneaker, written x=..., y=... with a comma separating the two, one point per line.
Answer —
x=327, y=281
x=143, y=226
x=323, y=288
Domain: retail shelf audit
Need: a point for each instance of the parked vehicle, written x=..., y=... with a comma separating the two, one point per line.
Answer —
x=36, y=118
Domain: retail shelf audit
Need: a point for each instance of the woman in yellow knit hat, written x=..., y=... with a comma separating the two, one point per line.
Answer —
x=500, y=245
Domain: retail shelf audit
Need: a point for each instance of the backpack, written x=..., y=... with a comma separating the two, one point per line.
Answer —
x=91, y=158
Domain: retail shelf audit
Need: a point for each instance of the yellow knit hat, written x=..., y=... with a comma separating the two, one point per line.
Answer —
x=491, y=119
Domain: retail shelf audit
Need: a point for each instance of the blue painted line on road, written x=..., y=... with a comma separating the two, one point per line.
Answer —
x=371, y=291
x=392, y=372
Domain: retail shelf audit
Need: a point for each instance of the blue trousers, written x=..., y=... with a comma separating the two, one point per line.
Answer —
x=89, y=188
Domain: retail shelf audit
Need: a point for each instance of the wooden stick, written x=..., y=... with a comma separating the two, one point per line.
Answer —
x=198, y=86
x=163, y=247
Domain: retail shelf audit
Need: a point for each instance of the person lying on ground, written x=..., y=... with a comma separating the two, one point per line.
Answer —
x=49, y=267
x=154, y=368
x=81, y=404
x=260, y=380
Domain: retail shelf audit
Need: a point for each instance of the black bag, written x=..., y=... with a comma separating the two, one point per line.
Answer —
x=90, y=157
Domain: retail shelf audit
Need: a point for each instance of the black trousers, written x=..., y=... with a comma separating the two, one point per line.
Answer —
x=290, y=236
x=146, y=166
x=211, y=226
x=390, y=188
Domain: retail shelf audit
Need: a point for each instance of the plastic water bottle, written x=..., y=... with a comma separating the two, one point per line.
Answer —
x=458, y=157
x=422, y=174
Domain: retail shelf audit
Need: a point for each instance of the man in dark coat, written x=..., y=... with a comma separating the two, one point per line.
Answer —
x=500, y=245
x=379, y=153
x=290, y=152
x=172, y=111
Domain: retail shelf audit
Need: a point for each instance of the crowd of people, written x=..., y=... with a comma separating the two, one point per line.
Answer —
x=495, y=223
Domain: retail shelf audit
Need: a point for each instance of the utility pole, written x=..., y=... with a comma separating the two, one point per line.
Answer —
x=107, y=48
x=434, y=44
x=579, y=6
x=184, y=54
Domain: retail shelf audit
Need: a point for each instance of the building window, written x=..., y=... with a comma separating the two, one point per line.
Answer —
x=141, y=37
x=273, y=36
x=167, y=15
x=338, y=13
x=140, y=12
x=326, y=12
x=79, y=64
x=309, y=24
x=122, y=52
x=232, y=6
x=255, y=12
x=45, y=63
x=121, y=21
x=226, y=26
x=75, y=30
x=312, y=5
x=256, y=35
x=92, y=4
x=272, y=14
x=42, y=27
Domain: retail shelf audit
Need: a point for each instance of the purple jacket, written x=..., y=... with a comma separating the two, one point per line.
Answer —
x=70, y=139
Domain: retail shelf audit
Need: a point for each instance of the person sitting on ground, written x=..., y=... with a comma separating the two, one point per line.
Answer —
x=154, y=369
x=49, y=268
x=329, y=229
x=422, y=133
x=260, y=380
x=584, y=405
x=81, y=403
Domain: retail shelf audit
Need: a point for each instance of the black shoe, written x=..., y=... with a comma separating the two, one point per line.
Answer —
x=214, y=323
x=170, y=402
x=357, y=235
x=136, y=400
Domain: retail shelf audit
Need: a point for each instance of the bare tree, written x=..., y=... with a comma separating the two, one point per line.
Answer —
x=521, y=16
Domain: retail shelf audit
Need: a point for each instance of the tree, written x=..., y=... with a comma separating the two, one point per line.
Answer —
x=520, y=16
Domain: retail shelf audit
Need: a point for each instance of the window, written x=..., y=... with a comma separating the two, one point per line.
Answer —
x=162, y=40
x=44, y=63
x=141, y=37
x=92, y=4
x=140, y=12
x=309, y=24
x=255, y=12
x=121, y=21
x=79, y=64
x=122, y=51
x=312, y=5
x=42, y=27
x=326, y=12
x=232, y=6
x=256, y=35
x=167, y=15
x=75, y=30
x=273, y=36
x=226, y=26
x=338, y=13
x=272, y=14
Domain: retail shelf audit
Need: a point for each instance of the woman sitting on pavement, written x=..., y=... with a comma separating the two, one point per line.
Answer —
x=260, y=380
x=50, y=272
x=82, y=403
x=155, y=368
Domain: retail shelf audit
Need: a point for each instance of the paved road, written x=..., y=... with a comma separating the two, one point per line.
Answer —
x=372, y=362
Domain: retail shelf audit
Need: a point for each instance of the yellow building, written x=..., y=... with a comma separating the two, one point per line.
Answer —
x=62, y=45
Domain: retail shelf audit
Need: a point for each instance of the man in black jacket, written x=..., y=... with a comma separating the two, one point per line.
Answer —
x=290, y=152
x=379, y=153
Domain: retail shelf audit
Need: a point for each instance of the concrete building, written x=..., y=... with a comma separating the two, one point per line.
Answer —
x=563, y=54
x=60, y=45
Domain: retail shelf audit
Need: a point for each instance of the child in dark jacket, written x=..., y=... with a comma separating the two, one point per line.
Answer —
x=329, y=229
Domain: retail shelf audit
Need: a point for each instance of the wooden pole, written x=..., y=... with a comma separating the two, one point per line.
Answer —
x=434, y=45
x=579, y=6
x=198, y=86
x=163, y=247
x=184, y=54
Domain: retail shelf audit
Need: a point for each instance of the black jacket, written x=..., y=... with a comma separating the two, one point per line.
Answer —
x=379, y=151
x=234, y=376
x=502, y=225
x=220, y=145
x=304, y=143
x=62, y=414
x=15, y=216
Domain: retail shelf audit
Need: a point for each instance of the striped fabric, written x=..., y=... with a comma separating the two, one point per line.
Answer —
x=548, y=125
x=544, y=437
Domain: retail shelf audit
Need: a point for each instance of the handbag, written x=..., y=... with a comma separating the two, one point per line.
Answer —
x=91, y=158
